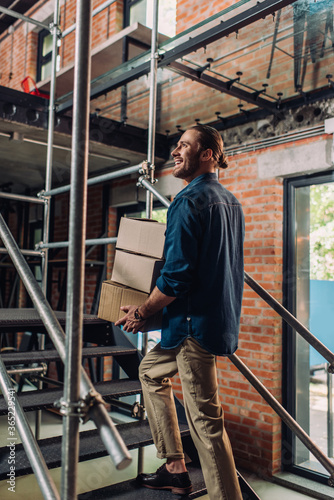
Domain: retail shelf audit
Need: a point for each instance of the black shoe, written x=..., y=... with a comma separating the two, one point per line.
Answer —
x=179, y=484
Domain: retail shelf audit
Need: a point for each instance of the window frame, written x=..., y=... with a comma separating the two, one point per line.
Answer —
x=42, y=60
x=289, y=382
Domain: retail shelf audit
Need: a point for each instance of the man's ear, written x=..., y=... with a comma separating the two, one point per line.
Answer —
x=207, y=154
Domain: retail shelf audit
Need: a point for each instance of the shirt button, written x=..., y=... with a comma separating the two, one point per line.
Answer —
x=188, y=318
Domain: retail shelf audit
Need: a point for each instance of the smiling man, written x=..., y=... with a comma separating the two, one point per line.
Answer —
x=200, y=291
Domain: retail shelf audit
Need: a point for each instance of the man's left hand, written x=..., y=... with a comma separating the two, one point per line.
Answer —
x=129, y=322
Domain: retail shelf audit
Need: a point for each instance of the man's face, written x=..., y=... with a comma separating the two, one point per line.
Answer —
x=187, y=156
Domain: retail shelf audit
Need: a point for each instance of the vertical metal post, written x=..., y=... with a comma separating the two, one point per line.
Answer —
x=49, y=154
x=76, y=255
x=17, y=418
x=330, y=410
x=150, y=156
x=48, y=179
x=152, y=105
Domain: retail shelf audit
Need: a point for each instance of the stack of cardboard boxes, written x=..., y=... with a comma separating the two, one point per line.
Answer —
x=138, y=262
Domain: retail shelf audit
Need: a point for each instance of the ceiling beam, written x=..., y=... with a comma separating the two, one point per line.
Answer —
x=221, y=86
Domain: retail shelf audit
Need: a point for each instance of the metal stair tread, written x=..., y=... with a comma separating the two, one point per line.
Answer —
x=28, y=357
x=134, y=434
x=18, y=317
x=130, y=490
x=39, y=399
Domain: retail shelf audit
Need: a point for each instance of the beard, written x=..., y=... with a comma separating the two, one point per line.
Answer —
x=188, y=168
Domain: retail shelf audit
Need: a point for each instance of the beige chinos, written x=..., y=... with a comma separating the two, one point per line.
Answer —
x=197, y=371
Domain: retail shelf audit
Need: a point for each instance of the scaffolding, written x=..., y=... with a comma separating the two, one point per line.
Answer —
x=80, y=398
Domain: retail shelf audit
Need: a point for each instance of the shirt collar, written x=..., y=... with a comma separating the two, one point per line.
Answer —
x=204, y=177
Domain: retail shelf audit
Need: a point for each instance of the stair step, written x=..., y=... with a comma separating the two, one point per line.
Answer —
x=28, y=357
x=96, y=330
x=130, y=490
x=42, y=399
x=28, y=319
x=134, y=434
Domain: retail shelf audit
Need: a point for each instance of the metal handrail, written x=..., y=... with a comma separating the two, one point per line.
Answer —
x=285, y=416
x=292, y=321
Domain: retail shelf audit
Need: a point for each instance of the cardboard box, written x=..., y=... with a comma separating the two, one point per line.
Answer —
x=114, y=295
x=143, y=236
x=136, y=271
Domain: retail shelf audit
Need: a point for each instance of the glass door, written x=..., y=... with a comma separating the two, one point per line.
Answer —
x=309, y=295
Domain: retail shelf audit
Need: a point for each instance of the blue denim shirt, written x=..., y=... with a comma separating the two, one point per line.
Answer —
x=204, y=267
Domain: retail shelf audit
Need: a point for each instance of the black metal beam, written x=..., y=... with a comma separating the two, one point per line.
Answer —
x=117, y=78
x=222, y=86
x=28, y=109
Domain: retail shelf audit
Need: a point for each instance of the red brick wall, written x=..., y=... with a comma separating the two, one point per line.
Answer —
x=253, y=426
x=21, y=48
x=189, y=13
x=94, y=230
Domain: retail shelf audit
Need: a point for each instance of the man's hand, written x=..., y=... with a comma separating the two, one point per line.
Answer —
x=129, y=322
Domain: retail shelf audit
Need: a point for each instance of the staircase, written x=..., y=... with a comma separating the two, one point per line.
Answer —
x=136, y=434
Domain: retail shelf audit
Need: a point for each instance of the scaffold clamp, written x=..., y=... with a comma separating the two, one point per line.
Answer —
x=138, y=410
x=54, y=28
x=144, y=169
x=43, y=196
x=330, y=368
x=147, y=178
x=79, y=408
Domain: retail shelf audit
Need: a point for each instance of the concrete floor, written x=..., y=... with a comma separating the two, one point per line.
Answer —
x=101, y=472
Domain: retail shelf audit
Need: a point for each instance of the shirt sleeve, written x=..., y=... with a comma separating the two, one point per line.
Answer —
x=178, y=275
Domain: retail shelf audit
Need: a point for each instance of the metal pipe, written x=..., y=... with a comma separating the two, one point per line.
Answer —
x=109, y=434
x=95, y=11
x=144, y=182
x=29, y=253
x=21, y=197
x=76, y=255
x=151, y=154
x=330, y=412
x=24, y=371
x=274, y=141
x=12, y=13
x=285, y=416
x=49, y=155
x=152, y=106
x=45, y=481
x=97, y=180
x=64, y=244
x=291, y=320
x=48, y=177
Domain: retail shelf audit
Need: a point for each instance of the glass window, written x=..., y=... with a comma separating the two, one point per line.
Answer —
x=141, y=11
x=44, y=60
x=309, y=284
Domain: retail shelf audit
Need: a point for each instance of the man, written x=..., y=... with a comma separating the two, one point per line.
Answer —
x=200, y=291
